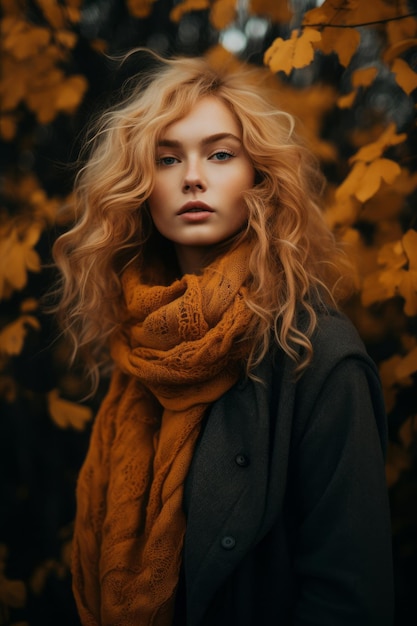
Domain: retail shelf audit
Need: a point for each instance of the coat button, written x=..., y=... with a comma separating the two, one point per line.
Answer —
x=242, y=460
x=228, y=543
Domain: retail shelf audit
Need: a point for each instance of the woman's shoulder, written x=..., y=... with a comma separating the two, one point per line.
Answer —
x=338, y=351
x=336, y=338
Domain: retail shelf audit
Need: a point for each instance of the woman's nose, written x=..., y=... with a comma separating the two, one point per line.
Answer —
x=194, y=178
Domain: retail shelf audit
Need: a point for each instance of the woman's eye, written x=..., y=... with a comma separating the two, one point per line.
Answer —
x=168, y=160
x=222, y=155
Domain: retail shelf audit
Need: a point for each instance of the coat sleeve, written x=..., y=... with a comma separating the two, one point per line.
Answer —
x=342, y=536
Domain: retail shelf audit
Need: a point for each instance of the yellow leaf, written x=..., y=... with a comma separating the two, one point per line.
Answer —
x=409, y=242
x=398, y=48
x=297, y=52
x=14, y=83
x=375, y=149
x=374, y=290
x=392, y=280
x=352, y=181
x=28, y=305
x=74, y=15
x=344, y=42
x=8, y=127
x=278, y=11
x=376, y=172
x=404, y=76
x=140, y=8
x=66, y=38
x=25, y=40
x=17, y=256
x=346, y=101
x=99, y=45
x=67, y=414
x=186, y=6
x=332, y=12
x=70, y=93
x=53, y=12
x=408, y=290
x=222, y=13
x=364, y=76
x=392, y=255
x=344, y=211
x=13, y=335
x=401, y=30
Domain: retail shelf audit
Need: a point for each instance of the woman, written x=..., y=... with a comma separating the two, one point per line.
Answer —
x=235, y=472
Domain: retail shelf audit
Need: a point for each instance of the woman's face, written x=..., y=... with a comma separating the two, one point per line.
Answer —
x=202, y=169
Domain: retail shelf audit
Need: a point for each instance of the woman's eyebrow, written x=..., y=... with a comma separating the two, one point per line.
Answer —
x=174, y=143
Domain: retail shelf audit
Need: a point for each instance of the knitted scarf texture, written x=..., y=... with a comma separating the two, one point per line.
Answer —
x=178, y=351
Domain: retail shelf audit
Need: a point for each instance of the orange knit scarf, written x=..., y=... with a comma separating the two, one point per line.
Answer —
x=178, y=352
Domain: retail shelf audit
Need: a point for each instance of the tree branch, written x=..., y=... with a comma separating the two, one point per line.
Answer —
x=384, y=21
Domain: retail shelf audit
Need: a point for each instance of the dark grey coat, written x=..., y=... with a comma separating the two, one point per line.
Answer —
x=286, y=503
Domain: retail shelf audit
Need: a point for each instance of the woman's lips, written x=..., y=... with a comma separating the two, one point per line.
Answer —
x=195, y=208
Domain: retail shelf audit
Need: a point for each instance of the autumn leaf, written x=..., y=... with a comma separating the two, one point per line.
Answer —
x=405, y=77
x=12, y=336
x=66, y=38
x=278, y=11
x=8, y=126
x=186, y=6
x=346, y=101
x=14, y=82
x=28, y=305
x=70, y=93
x=399, y=276
x=222, y=13
x=409, y=242
x=374, y=150
x=73, y=10
x=59, y=94
x=343, y=42
x=139, y=8
x=392, y=255
x=343, y=211
x=67, y=414
x=284, y=55
x=398, y=48
x=401, y=30
x=331, y=12
x=52, y=12
x=408, y=290
x=364, y=76
x=376, y=290
x=22, y=39
x=17, y=257
x=349, y=13
x=364, y=180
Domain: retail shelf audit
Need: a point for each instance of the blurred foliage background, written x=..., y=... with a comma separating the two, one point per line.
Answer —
x=348, y=71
